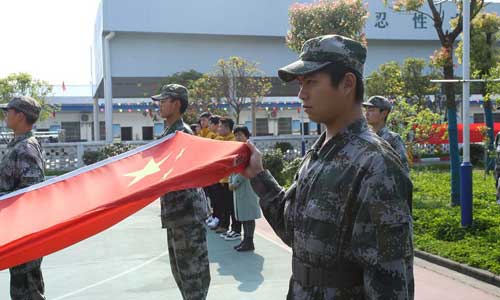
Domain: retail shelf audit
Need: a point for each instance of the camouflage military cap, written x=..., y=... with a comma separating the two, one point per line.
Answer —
x=379, y=102
x=172, y=91
x=323, y=50
x=25, y=104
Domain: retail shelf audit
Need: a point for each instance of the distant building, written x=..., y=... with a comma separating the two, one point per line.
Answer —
x=150, y=39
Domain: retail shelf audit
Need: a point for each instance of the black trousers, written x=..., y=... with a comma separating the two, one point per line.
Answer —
x=227, y=208
x=215, y=200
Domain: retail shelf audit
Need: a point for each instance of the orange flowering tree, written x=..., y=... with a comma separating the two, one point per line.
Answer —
x=309, y=20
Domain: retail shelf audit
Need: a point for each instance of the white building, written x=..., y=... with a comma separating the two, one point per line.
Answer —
x=137, y=43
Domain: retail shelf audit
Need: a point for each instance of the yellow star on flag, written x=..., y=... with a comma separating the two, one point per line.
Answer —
x=151, y=168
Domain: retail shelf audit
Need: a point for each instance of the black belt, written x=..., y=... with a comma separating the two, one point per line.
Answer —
x=343, y=277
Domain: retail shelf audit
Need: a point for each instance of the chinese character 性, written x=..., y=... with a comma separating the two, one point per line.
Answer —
x=381, y=20
x=419, y=21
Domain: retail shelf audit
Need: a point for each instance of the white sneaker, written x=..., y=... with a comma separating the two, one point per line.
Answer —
x=208, y=220
x=223, y=235
x=232, y=236
x=214, y=223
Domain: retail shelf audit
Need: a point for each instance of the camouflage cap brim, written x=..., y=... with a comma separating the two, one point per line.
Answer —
x=4, y=106
x=368, y=104
x=159, y=97
x=300, y=68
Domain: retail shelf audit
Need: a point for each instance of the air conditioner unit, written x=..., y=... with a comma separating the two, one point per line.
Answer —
x=84, y=117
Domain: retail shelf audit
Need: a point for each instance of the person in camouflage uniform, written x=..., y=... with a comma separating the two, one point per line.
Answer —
x=21, y=167
x=183, y=213
x=377, y=110
x=347, y=213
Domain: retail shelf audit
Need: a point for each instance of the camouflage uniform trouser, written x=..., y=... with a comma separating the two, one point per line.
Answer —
x=26, y=281
x=187, y=249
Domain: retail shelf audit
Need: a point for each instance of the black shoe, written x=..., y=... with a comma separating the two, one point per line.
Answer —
x=237, y=246
x=247, y=245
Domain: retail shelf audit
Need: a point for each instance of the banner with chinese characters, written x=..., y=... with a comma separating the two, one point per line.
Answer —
x=57, y=213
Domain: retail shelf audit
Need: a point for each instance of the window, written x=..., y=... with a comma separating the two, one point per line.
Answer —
x=248, y=124
x=285, y=126
x=262, y=125
x=147, y=133
x=158, y=129
x=296, y=126
x=71, y=131
x=125, y=133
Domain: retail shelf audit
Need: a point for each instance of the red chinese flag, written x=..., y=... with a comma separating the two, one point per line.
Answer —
x=57, y=213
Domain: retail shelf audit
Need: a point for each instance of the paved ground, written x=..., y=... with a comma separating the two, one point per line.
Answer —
x=130, y=261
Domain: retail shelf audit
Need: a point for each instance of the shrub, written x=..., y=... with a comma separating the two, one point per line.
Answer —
x=283, y=146
x=90, y=157
x=476, y=153
x=274, y=162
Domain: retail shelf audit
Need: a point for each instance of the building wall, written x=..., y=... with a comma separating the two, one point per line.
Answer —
x=157, y=55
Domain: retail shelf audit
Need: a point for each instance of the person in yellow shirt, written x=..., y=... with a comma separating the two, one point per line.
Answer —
x=203, y=121
x=213, y=127
x=226, y=196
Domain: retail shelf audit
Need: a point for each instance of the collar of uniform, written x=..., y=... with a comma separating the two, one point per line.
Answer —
x=19, y=138
x=178, y=125
x=382, y=131
x=355, y=128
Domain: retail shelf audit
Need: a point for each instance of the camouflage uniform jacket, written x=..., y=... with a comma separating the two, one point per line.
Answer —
x=396, y=143
x=346, y=216
x=22, y=166
x=184, y=207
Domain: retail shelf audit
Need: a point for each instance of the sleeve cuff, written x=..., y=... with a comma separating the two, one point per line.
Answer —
x=264, y=185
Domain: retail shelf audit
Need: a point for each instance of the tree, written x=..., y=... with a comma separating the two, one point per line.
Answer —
x=234, y=81
x=484, y=54
x=443, y=58
x=183, y=78
x=413, y=123
x=343, y=17
x=407, y=81
x=23, y=84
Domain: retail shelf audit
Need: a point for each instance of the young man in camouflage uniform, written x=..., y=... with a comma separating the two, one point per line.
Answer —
x=184, y=212
x=377, y=110
x=21, y=167
x=346, y=215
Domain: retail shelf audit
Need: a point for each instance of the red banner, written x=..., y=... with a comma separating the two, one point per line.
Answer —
x=475, y=133
x=57, y=213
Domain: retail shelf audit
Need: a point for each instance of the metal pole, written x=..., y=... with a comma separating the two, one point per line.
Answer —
x=466, y=167
x=108, y=94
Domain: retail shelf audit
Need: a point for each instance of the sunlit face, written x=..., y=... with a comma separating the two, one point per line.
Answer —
x=223, y=130
x=204, y=122
x=321, y=101
x=13, y=118
x=169, y=107
x=240, y=136
x=375, y=116
x=213, y=127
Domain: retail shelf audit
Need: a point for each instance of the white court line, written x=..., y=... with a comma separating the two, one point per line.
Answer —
x=113, y=277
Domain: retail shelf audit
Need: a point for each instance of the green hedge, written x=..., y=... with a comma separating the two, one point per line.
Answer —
x=437, y=226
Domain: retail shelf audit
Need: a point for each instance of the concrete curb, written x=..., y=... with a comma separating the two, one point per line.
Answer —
x=478, y=274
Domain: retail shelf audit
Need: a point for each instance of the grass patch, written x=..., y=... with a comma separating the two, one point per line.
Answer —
x=437, y=227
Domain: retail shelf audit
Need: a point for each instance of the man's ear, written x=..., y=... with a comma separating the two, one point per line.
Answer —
x=349, y=83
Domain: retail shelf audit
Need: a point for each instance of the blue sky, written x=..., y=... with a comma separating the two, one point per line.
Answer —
x=49, y=39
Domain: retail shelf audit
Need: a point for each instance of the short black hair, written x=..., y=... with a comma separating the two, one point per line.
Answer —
x=214, y=119
x=227, y=122
x=193, y=127
x=30, y=119
x=205, y=115
x=184, y=103
x=242, y=129
x=337, y=72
